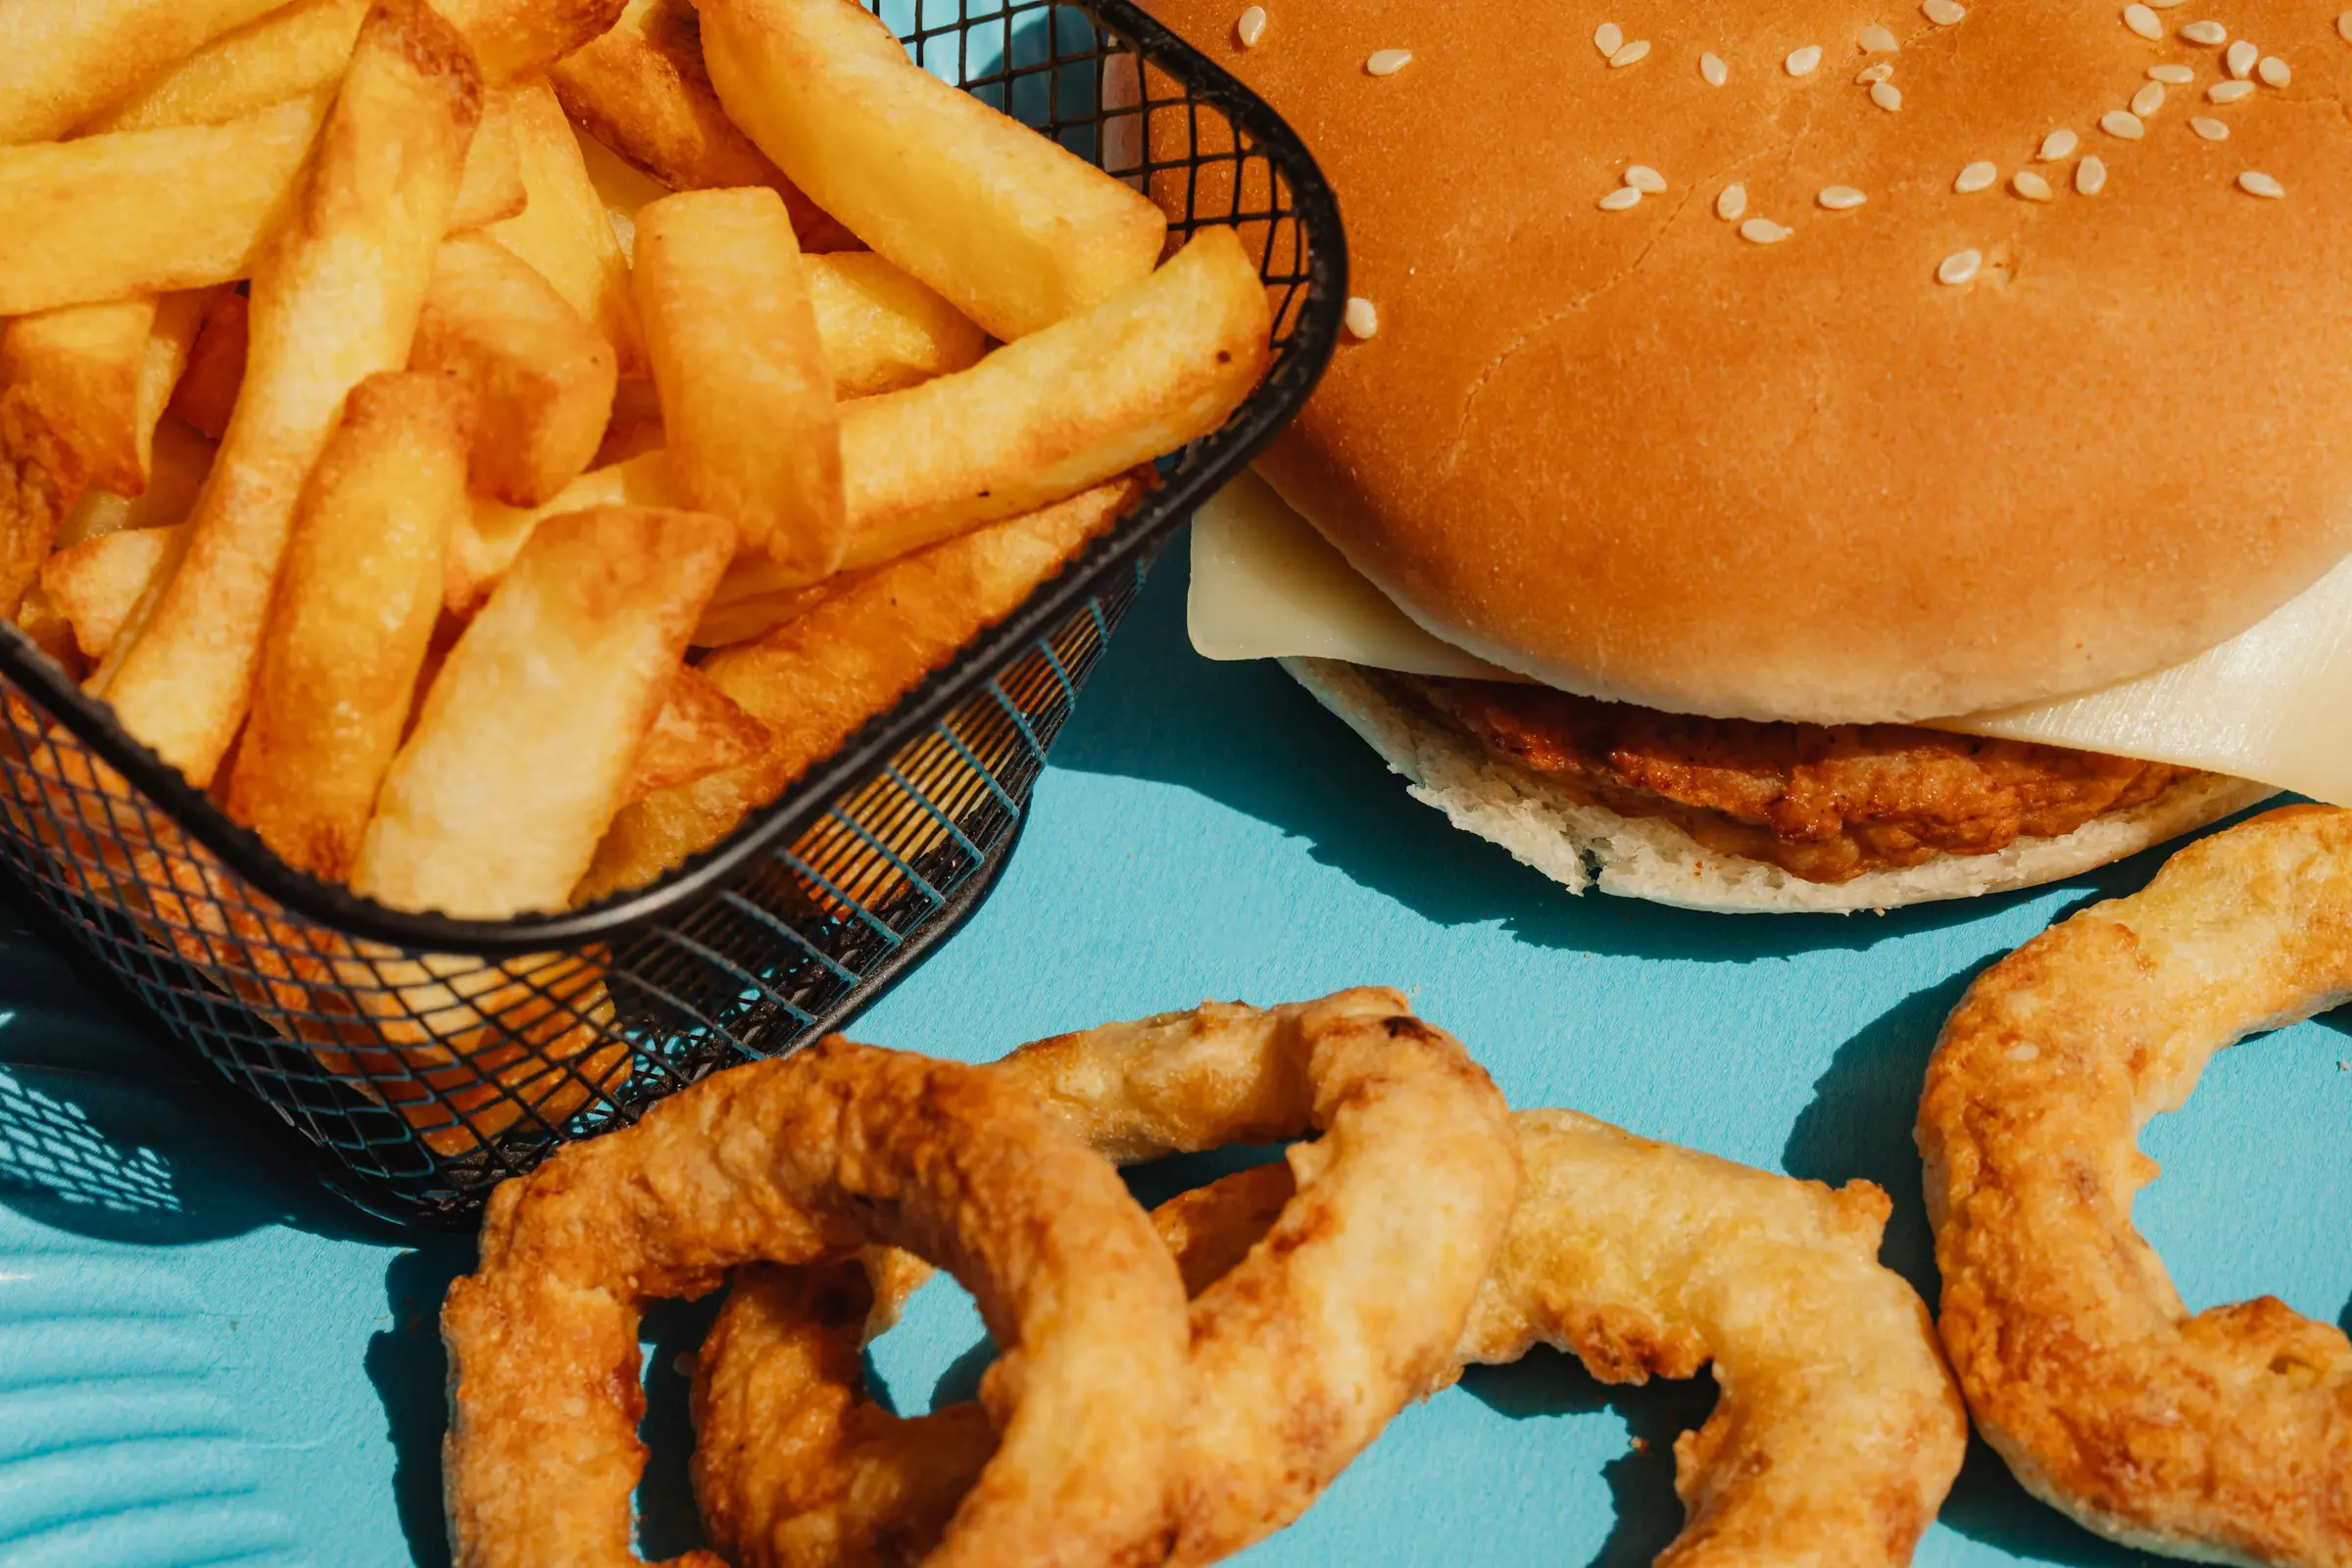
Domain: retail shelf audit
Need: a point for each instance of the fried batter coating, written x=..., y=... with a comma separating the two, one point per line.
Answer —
x=1302, y=1351
x=2222, y=1437
x=806, y=1159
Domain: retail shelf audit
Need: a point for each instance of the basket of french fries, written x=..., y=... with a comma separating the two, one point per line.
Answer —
x=546, y=540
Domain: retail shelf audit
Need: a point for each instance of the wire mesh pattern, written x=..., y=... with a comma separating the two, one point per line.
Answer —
x=423, y=1058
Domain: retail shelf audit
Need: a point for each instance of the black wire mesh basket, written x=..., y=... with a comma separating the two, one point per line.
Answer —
x=424, y=1060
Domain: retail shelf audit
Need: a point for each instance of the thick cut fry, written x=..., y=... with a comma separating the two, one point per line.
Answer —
x=487, y=542
x=354, y=609
x=207, y=393
x=541, y=377
x=819, y=677
x=563, y=232
x=292, y=51
x=97, y=583
x=739, y=621
x=46, y=627
x=746, y=397
x=699, y=732
x=523, y=753
x=1017, y=230
x=492, y=190
x=337, y=302
x=111, y=217
x=642, y=91
x=622, y=187
x=516, y=38
x=63, y=61
x=1132, y=379
x=182, y=462
x=882, y=330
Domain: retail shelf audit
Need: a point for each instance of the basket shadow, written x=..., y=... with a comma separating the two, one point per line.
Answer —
x=1246, y=736
x=409, y=1371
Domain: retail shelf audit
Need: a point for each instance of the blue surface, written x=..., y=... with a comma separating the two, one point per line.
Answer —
x=202, y=1359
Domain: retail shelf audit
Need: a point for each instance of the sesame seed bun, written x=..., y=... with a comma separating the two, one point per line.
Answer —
x=1639, y=456
x=1581, y=844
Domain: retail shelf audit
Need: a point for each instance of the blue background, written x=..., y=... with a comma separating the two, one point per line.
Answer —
x=203, y=1359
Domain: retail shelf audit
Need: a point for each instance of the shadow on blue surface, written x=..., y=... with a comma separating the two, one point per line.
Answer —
x=409, y=1370
x=1248, y=736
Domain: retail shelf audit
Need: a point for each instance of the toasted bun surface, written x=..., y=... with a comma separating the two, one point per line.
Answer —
x=1580, y=845
x=1642, y=458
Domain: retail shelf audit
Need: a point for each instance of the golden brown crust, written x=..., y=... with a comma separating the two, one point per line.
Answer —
x=802, y=1160
x=1827, y=802
x=2224, y=1436
x=1641, y=457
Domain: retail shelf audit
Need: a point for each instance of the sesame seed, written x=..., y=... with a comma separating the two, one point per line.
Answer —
x=1631, y=54
x=2230, y=92
x=2124, y=124
x=1608, y=38
x=1621, y=199
x=1959, y=267
x=1944, y=13
x=1875, y=40
x=1730, y=205
x=1388, y=62
x=1363, y=319
x=1871, y=75
x=2274, y=71
x=2210, y=128
x=2206, y=32
x=2343, y=27
x=2059, y=143
x=2032, y=186
x=1645, y=179
x=1763, y=232
x=1800, y=62
x=2142, y=20
x=1713, y=69
x=1841, y=198
x=2241, y=58
x=2148, y=99
x=2166, y=5
x=1977, y=176
x=1886, y=95
x=1251, y=26
x=2171, y=75
x=2090, y=175
x=2254, y=182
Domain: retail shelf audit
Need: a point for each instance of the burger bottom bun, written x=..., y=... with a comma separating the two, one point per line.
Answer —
x=1581, y=845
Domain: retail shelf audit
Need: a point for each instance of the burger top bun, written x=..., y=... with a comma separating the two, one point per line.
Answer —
x=1654, y=455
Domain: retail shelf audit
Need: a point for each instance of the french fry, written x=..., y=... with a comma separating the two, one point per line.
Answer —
x=1017, y=232
x=1065, y=407
x=207, y=393
x=47, y=628
x=884, y=331
x=337, y=302
x=642, y=91
x=523, y=752
x=817, y=680
x=699, y=732
x=62, y=62
x=286, y=54
x=97, y=583
x=752, y=615
x=141, y=212
x=622, y=187
x=563, y=233
x=516, y=39
x=541, y=377
x=747, y=400
x=182, y=460
x=492, y=190
x=354, y=609
x=486, y=544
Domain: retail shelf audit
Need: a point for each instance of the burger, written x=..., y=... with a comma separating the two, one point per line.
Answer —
x=1816, y=459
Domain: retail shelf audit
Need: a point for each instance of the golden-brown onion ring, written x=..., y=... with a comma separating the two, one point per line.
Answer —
x=2225, y=1436
x=805, y=1160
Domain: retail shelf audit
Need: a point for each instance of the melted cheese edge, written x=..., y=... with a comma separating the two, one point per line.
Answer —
x=2273, y=704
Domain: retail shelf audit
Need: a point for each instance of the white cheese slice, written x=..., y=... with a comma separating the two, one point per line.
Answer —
x=2274, y=704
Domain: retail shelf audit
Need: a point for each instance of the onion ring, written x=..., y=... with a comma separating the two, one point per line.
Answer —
x=2225, y=1436
x=806, y=1159
x=1838, y=1433
x=1300, y=1353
